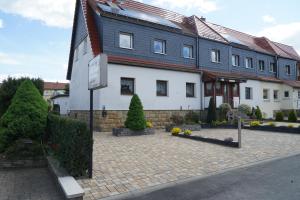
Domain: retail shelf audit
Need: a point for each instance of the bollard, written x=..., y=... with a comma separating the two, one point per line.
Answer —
x=240, y=131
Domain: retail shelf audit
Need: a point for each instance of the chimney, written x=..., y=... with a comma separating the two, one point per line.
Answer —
x=203, y=18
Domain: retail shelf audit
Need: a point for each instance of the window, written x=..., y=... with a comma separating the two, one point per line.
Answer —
x=215, y=56
x=286, y=94
x=161, y=88
x=208, y=89
x=190, y=89
x=127, y=86
x=218, y=88
x=272, y=68
x=266, y=94
x=288, y=69
x=160, y=46
x=298, y=94
x=235, y=60
x=126, y=40
x=85, y=46
x=187, y=51
x=248, y=93
x=261, y=64
x=235, y=90
x=248, y=63
x=275, y=95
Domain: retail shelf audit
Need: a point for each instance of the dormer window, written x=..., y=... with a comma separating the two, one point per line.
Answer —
x=126, y=40
x=159, y=46
x=272, y=68
x=288, y=70
x=187, y=51
x=235, y=60
x=215, y=56
x=261, y=64
x=249, y=63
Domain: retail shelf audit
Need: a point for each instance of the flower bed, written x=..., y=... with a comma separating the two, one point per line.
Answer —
x=272, y=128
x=192, y=127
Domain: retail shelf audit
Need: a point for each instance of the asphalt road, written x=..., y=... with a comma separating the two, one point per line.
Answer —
x=274, y=180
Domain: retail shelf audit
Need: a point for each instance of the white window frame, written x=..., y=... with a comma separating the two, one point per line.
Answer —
x=260, y=67
x=194, y=87
x=191, y=51
x=217, y=56
x=268, y=94
x=251, y=93
x=167, y=88
x=288, y=70
x=247, y=62
x=276, y=99
x=164, y=46
x=288, y=94
x=272, y=69
x=130, y=37
x=235, y=59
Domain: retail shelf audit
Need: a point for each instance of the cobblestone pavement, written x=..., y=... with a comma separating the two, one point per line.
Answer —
x=28, y=184
x=123, y=164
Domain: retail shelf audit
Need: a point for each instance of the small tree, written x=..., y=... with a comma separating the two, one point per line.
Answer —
x=26, y=117
x=292, y=116
x=258, y=113
x=224, y=109
x=9, y=87
x=211, y=115
x=245, y=109
x=135, y=116
x=279, y=116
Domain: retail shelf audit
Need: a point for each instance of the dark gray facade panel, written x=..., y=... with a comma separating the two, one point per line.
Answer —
x=282, y=62
x=80, y=32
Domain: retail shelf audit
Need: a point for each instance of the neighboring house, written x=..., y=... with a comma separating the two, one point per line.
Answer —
x=174, y=63
x=53, y=88
x=62, y=101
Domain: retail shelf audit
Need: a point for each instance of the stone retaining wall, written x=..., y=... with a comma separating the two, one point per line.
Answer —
x=116, y=119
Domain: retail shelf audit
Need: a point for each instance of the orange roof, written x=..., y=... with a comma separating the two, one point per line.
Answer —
x=54, y=86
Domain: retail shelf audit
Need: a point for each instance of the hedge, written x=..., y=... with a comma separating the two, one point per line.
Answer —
x=71, y=143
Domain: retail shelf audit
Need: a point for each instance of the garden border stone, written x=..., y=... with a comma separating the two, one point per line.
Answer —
x=127, y=132
x=22, y=163
x=210, y=140
x=281, y=129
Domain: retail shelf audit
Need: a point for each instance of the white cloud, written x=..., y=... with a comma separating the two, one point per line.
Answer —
x=204, y=6
x=57, y=13
x=281, y=32
x=268, y=19
x=7, y=59
x=1, y=23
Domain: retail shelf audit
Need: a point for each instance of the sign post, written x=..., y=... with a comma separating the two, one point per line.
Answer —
x=97, y=79
x=240, y=131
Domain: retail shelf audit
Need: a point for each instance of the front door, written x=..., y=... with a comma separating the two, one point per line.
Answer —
x=233, y=91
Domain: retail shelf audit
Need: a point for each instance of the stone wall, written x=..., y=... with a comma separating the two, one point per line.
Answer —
x=116, y=119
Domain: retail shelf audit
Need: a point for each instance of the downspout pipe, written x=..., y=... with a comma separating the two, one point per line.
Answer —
x=277, y=67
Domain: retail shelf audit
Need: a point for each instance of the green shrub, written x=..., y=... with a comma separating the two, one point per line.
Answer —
x=187, y=132
x=279, y=116
x=21, y=150
x=26, y=117
x=192, y=117
x=258, y=113
x=290, y=126
x=292, y=116
x=135, y=116
x=245, y=109
x=254, y=123
x=211, y=115
x=224, y=109
x=177, y=119
x=149, y=125
x=71, y=142
x=9, y=87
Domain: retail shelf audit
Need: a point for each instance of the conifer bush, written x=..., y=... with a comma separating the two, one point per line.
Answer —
x=211, y=115
x=279, y=116
x=135, y=116
x=292, y=116
x=26, y=116
x=258, y=113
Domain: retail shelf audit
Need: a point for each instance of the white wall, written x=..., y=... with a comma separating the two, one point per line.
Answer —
x=145, y=87
x=63, y=103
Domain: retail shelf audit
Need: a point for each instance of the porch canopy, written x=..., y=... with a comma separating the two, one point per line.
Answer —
x=211, y=76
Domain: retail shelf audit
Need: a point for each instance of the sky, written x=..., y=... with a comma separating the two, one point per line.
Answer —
x=35, y=35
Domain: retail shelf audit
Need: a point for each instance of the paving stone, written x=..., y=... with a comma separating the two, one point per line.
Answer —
x=124, y=164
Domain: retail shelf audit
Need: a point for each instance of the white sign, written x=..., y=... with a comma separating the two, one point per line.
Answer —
x=98, y=72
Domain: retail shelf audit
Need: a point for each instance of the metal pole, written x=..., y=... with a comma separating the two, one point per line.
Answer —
x=90, y=170
x=240, y=131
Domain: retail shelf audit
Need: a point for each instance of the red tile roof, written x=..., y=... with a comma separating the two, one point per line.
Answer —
x=294, y=84
x=54, y=86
